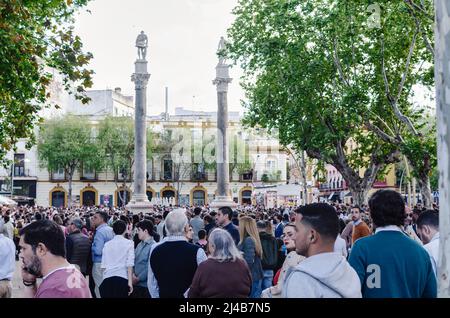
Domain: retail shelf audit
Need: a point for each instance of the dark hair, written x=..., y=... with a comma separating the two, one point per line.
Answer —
x=46, y=232
x=6, y=218
x=286, y=217
x=226, y=210
x=146, y=225
x=38, y=216
x=165, y=213
x=428, y=217
x=208, y=218
x=197, y=211
x=356, y=207
x=119, y=227
x=387, y=208
x=279, y=217
x=321, y=217
x=103, y=215
x=136, y=219
x=201, y=234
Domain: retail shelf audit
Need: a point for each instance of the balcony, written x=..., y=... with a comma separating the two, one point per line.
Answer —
x=22, y=172
x=199, y=176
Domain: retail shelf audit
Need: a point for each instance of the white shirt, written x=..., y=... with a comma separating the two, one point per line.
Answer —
x=8, y=230
x=152, y=283
x=388, y=228
x=340, y=246
x=118, y=255
x=433, y=250
x=7, y=257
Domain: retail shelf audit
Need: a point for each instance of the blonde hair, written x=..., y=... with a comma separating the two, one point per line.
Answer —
x=247, y=227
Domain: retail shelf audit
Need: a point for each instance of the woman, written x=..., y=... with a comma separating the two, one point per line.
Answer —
x=225, y=274
x=250, y=245
x=189, y=233
x=292, y=259
x=118, y=262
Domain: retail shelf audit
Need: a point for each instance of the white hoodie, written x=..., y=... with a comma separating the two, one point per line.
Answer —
x=326, y=275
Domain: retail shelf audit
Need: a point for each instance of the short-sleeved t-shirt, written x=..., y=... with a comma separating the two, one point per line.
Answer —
x=67, y=282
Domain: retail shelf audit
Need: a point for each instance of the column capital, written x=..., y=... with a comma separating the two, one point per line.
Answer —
x=140, y=80
x=222, y=83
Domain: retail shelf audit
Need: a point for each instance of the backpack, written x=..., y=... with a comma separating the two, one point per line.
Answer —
x=270, y=252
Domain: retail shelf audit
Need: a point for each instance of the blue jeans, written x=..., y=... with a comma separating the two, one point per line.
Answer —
x=268, y=278
x=256, y=289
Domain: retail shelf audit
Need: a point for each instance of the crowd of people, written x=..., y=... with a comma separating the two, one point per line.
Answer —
x=382, y=249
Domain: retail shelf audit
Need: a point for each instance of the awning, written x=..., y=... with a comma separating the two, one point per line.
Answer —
x=7, y=201
x=289, y=189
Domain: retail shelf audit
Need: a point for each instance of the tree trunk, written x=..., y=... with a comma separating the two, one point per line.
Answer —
x=408, y=183
x=69, y=199
x=414, y=191
x=359, y=195
x=425, y=189
x=303, y=174
x=442, y=79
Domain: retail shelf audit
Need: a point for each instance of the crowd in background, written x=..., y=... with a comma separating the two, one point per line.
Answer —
x=317, y=250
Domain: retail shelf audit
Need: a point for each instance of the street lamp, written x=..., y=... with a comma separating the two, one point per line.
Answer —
x=26, y=160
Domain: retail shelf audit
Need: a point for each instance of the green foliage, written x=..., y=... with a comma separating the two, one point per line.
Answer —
x=116, y=144
x=35, y=35
x=67, y=143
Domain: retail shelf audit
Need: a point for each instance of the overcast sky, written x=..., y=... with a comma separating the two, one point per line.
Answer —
x=183, y=39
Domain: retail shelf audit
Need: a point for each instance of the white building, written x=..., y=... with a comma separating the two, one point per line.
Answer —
x=98, y=188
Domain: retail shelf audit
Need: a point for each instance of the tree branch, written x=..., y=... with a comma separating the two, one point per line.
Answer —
x=338, y=65
x=393, y=101
x=416, y=7
x=380, y=133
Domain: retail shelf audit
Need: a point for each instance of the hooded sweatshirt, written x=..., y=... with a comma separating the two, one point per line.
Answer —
x=325, y=275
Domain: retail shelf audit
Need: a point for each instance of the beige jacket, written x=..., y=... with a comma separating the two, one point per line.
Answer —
x=292, y=260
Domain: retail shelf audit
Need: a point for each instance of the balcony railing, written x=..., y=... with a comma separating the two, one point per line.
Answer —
x=199, y=176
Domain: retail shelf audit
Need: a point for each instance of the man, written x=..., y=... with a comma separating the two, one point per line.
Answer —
x=42, y=254
x=145, y=231
x=428, y=230
x=408, y=226
x=103, y=233
x=389, y=264
x=323, y=274
x=197, y=223
x=7, y=265
x=78, y=246
x=173, y=262
x=160, y=227
x=8, y=227
x=224, y=216
x=278, y=226
x=360, y=228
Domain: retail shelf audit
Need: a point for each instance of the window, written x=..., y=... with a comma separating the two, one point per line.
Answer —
x=198, y=172
x=88, y=174
x=167, y=169
x=247, y=176
x=58, y=174
x=150, y=169
x=19, y=165
x=199, y=197
x=270, y=165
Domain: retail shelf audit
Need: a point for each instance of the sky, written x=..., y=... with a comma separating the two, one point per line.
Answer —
x=183, y=38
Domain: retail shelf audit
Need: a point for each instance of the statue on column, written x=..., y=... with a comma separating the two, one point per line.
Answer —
x=220, y=49
x=142, y=44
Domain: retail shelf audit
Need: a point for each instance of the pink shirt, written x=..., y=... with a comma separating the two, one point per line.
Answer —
x=66, y=282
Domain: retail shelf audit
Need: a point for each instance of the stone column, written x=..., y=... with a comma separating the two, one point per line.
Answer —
x=139, y=201
x=221, y=81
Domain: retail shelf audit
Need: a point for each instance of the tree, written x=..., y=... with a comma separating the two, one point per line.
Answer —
x=35, y=35
x=67, y=143
x=116, y=144
x=442, y=75
x=293, y=84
